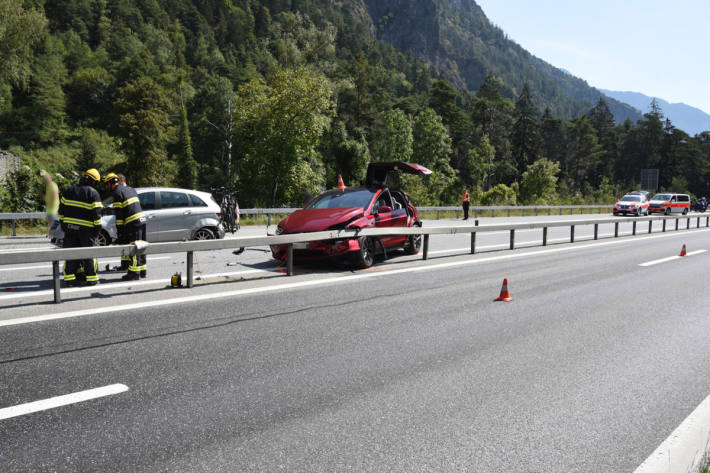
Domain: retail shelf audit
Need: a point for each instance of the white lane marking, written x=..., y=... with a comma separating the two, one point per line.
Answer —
x=100, y=262
x=671, y=258
x=316, y=282
x=685, y=448
x=58, y=401
x=119, y=284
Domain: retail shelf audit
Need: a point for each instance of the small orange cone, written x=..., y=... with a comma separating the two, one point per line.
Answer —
x=682, y=251
x=504, y=294
x=341, y=184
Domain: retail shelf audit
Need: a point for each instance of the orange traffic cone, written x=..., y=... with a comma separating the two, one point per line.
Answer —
x=504, y=294
x=341, y=184
x=682, y=251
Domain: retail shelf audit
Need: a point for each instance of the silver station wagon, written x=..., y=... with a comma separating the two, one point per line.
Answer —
x=172, y=214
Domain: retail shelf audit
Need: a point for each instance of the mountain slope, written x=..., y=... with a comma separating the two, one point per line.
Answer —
x=457, y=39
x=689, y=119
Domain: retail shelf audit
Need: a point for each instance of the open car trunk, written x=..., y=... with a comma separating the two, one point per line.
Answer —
x=377, y=172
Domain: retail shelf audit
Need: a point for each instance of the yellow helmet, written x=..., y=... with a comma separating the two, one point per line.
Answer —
x=92, y=174
x=110, y=177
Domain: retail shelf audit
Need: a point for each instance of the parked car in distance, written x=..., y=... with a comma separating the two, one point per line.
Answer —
x=372, y=205
x=668, y=203
x=633, y=203
x=172, y=214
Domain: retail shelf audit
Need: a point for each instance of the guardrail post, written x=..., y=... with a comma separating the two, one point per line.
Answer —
x=190, y=261
x=698, y=222
x=664, y=225
x=616, y=229
x=687, y=224
x=55, y=278
x=512, y=239
x=508, y=212
x=596, y=231
x=268, y=219
x=536, y=211
x=437, y=215
x=633, y=228
x=549, y=211
x=425, y=250
x=544, y=236
x=475, y=214
x=473, y=243
x=650, y=226
x=560, y=210
x=707, y=221
x=457, y=215
x=571, y=234
x=523, y=214
x=289, y=259
x=12, y=224
x=676, y=223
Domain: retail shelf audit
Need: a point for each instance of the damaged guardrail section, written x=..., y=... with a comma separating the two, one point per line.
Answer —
x=55, y=255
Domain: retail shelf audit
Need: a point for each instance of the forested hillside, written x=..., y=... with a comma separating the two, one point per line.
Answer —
x=277, y=97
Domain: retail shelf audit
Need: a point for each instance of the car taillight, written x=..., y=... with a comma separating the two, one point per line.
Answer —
x=219, y=214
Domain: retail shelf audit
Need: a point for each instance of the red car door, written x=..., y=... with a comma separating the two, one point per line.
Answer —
x=387, y=215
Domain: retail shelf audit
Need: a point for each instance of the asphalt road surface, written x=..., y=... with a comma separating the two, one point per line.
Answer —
x=408, y=367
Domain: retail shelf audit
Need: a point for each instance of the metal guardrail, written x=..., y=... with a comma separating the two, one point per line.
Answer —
x=14, y=217
x=56, y=255
x=535, y=210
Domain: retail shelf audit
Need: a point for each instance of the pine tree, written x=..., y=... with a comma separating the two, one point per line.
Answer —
x=525, y=135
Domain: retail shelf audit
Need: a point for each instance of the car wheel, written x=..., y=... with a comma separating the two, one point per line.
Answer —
x=366, y=256
x=102, y=239
x=414, y=244
x=204, y=233
x=685, y=211
x=668, y=211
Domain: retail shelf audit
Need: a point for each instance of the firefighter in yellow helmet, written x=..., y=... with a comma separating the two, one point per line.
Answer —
x=130, y=223
x=80, y=217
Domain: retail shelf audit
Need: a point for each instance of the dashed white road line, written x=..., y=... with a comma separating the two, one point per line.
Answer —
x=671, y=258
x=58, y=401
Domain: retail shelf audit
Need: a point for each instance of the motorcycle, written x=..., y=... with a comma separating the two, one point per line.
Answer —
x=699, y=205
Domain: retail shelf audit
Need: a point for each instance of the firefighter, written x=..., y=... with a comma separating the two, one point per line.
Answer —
x=130, y=223
x=120, y=237
x=80, y=217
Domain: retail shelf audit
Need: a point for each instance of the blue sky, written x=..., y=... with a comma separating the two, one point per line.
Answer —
x=658, y=48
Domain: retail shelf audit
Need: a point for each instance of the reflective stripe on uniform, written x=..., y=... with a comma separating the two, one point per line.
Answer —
x=133, y=217
x=83, y=205
x=83, y=223
x=126, y=203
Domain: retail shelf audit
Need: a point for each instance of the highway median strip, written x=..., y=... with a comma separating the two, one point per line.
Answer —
x=313, y=282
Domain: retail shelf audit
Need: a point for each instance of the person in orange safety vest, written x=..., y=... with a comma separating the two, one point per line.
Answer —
x=465, y=202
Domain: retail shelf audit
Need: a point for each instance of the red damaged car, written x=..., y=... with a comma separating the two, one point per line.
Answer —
x=370, y=206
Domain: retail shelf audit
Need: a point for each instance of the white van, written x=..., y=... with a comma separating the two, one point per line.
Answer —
x=668, y=203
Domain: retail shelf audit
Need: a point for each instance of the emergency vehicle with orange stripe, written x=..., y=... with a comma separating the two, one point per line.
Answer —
x=669, y=203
